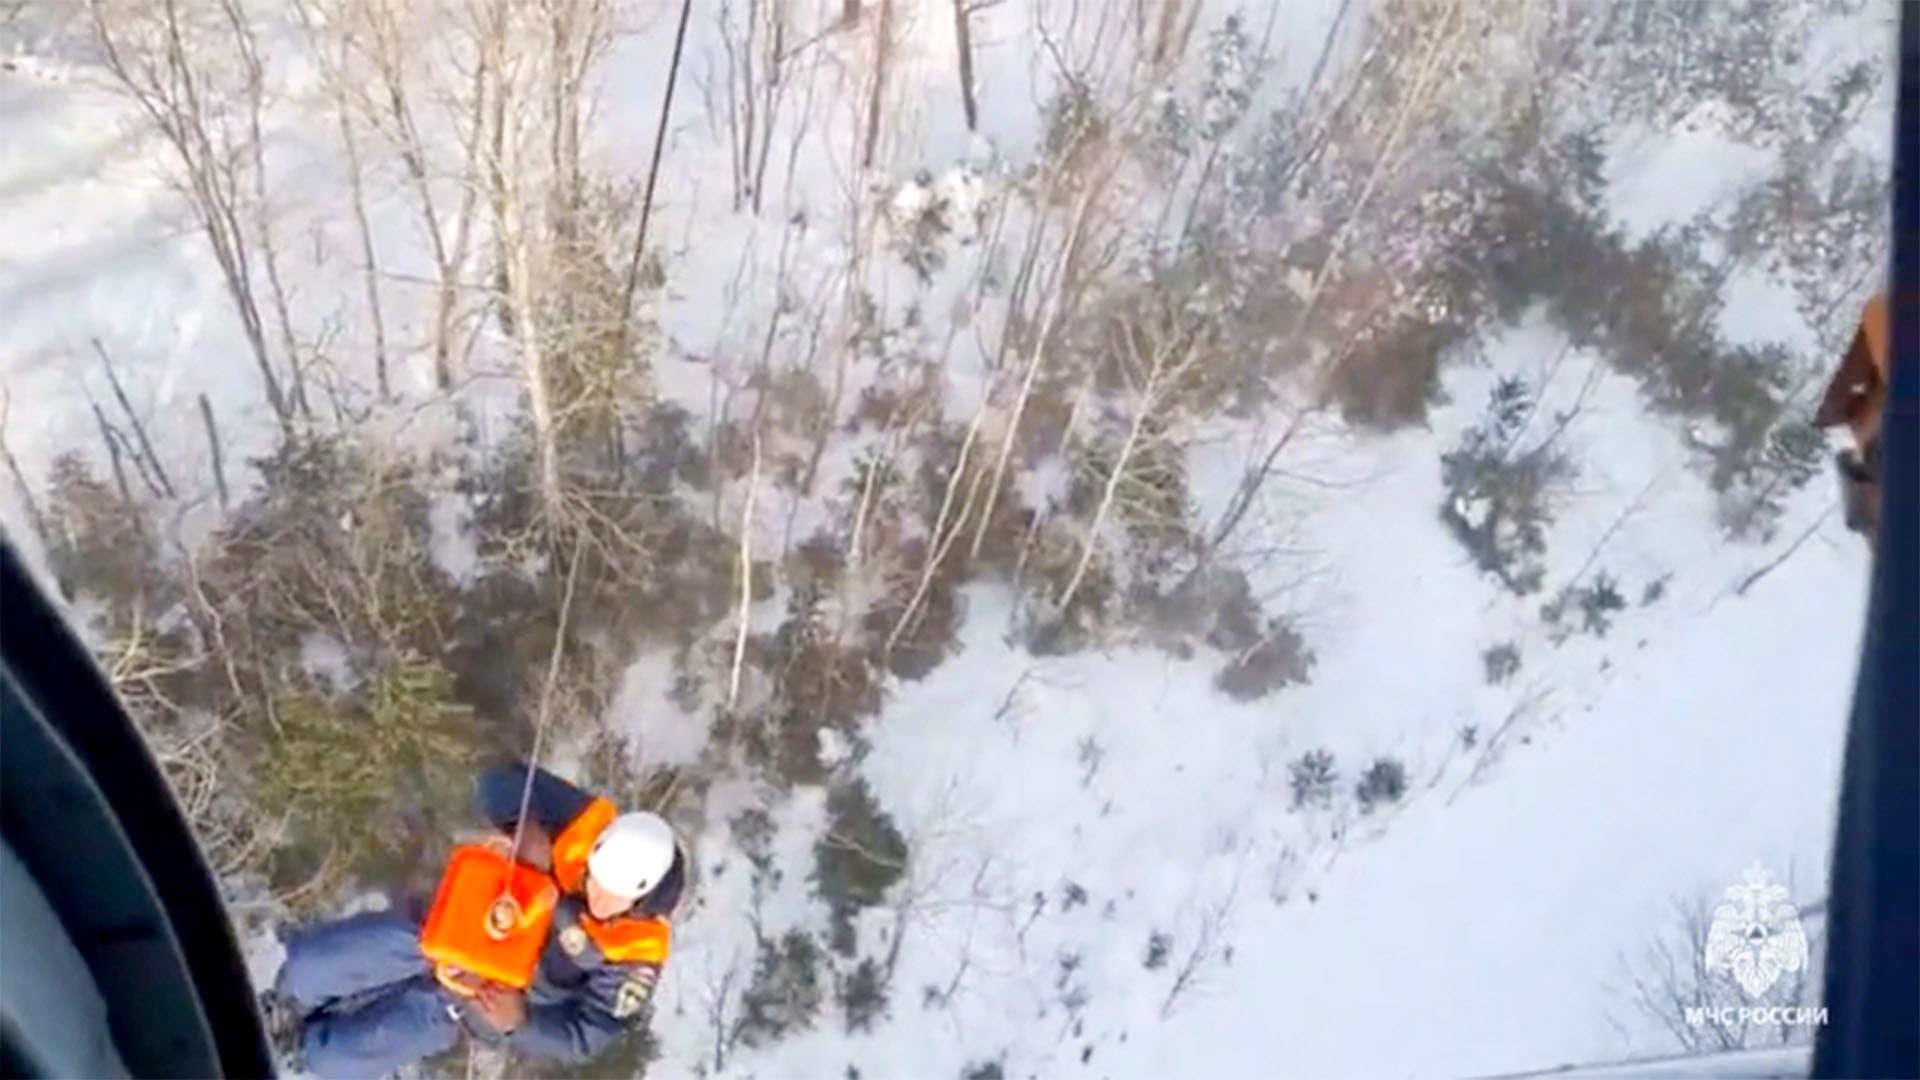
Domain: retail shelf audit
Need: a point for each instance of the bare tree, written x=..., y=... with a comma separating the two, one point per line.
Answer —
x=379, y=76
x=334, y=59
x=876, y=99
x=725, y=1025
x=1156, y=361
x=756, y=52
x=1207, y=945
x=247, y=49
x=149, y=461
x=1439, y=59
x=112, y=438
x=557, y=293
x=158, y=54
x=948, y=523
x=370, y=263
x=1056, y=293
x=972, y=490
x=214, y=451
x=963, y=45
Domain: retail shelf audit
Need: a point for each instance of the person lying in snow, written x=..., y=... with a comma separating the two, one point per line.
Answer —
x=368, y=1002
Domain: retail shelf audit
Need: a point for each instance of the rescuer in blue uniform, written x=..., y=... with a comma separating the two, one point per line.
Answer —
x=368, y=1001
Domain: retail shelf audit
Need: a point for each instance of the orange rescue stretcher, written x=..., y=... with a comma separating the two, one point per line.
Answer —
x=489, y=919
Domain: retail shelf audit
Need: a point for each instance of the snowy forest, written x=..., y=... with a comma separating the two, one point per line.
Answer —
x=1135, y=537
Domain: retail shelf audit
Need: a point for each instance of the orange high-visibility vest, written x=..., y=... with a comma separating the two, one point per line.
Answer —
x=489, y=920
x=630, y=940
x=575, y=842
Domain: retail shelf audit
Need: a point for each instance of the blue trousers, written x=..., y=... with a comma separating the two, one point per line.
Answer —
x=369, y=999
x=552, y=801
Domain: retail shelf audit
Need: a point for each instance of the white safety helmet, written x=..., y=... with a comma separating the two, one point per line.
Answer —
x=632, y=855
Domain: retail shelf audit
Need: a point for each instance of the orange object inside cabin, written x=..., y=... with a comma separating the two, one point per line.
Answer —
x=1859, y=386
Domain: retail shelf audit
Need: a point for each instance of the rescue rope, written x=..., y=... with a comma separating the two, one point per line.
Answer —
x=653, y=170
x=546, y=712
x=505, y=901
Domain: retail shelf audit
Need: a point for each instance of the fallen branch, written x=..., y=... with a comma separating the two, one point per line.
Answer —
x=746, y=576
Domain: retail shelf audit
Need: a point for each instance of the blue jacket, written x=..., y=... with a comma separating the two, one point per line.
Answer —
x=580, y=1000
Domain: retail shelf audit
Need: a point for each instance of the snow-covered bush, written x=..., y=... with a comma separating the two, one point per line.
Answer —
x=1384, y=782
x=1499, y=496
x=660, y=454
x=856, y=861
x=921, y=219
x=1393, y=374
x=1159, y=944
x=914, y=629
x=337, y=540
x=1751, y=504
x=596, y=357
x=104, y=546
x=752, y=830
x=1262, y=653
x=1501, y=661
x=817, y=681
x=1650, y=308
x=105, y=553
x=1233, y=73
x=787, y=989
x=1149, y=503
x=1278, y=659
x=1075, y=124
x=1311, y=777
x=1594, y=603
x=863, y=995
x=1052, y=565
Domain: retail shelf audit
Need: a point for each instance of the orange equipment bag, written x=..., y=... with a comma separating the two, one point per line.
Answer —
x=489, y=921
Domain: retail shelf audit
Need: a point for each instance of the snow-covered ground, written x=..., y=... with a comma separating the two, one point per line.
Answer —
x=1107, y=873
x=1482, y=926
